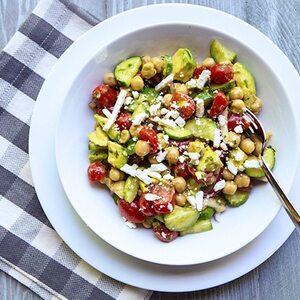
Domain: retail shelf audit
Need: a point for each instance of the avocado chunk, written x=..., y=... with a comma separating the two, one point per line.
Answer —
x=117, y=155
x=98, y=137
x=148, y=94
x=184, y=65
x=210, y=161
x=225, y=87
x=237, y=156
x=237, y=199
x=118, y=188
x=113, y=133
x=199, y=226
x=178, y=133
x=221, y=54
x=131, y=188
x=203, y=128
x=168, y=65
x=102, y=155
x=269, y=157
x=141, y=108
x=181, y=218
x=127, y=69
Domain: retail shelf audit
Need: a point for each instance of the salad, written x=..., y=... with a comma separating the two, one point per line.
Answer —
x=171, y=141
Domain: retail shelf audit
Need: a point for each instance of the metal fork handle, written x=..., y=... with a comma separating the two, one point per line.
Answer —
x=288, y=206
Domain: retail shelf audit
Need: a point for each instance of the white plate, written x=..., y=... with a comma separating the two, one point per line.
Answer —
x=94, y=204
x=111, y=261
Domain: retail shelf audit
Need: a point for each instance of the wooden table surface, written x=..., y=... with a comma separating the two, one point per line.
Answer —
x=279, y=276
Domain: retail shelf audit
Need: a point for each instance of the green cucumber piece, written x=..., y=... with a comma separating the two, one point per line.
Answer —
x=178, y=133
x=225, y=87
x=206, y=214
x=199, y=226
x=130, y=147
x=221, y=54
x=205, y=129
x=237, y=199
x=127, y=69
x=168, y=65
x=131, y=188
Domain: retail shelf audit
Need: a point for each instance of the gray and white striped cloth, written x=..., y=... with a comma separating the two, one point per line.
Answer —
x=30, y=249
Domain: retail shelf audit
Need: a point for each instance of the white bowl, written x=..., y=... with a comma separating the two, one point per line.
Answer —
x=95, y=205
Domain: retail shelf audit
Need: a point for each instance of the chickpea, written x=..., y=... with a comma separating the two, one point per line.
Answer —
x=152, y=159
x=179, y=184
x=230, y=188
x=125, y=136
x=142, y=148
x=254, y=104
x=236, y=93
x=233, y=139
x=180, y=199
x=134, y=130
x=137, y=83
x=172, y=155
x=116, y=175
x=247, y=146
x=146, y=59
x=109, y=79
x=208, y=62
x=238, y=106
x=227, y=175
x=258, y=145
x=161, y=141
x=167, y=100
x=242, y=180
x=181, y=88
x=148, y=70
x=158, y=64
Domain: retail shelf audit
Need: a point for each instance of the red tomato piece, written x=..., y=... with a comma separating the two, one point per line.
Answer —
x=96, y=171
x=236, y=120
x=221, y=73
x=181, y=169
x=166, y=203
x=105, y=96
x=186, y=104
x=163, y=233
x=198, y=71
x=146, y=206
x=219, y=105
x=131, y=211
x=149, y=135
x=123, y=121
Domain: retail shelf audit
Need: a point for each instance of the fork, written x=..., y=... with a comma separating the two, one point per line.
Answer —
x=257, y=128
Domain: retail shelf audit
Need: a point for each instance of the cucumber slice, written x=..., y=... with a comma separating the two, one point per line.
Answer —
x=205, y=129
x=226, y=87
x=168, y=65
x=221, y=54
x=199, y=226
x=178, y=133
x=127, y=69
x=239, y=198
x=206, y=214
x=131, y=188
x=269, y=156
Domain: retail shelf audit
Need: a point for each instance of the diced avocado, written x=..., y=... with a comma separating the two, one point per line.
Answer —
x=131, y=188
x=140, y=108
x=98, y=137
x=148, y=94
x=244, y=79
x=221, y=54
x=178, y=133
x=143, y=186
x=93, y=156
x=207, y=98
x=130, y=147
x=210, y=161
x=113, y=133
x=199, y=226
x=117, y=155
x=203, y=128
x=159, y=218
x=237, y=156
x=225, y=87
x=196, y=146
x=269, y=157
x=168, y=65
x=184, y=65
x=127, y=69
x=118, y=188
x=181, y=218
x=94, y=147
x=237, y=199
x=206, y=214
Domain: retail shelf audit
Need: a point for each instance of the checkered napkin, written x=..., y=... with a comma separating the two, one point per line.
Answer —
x=30, y=250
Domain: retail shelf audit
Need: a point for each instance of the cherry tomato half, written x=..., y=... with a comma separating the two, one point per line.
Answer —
x=163, y=233
x=186, y=105
x=181, y=169
x=123, y=121
x=219, y=105
x=131, y=211
x=149, y=135
x=105, y=96
x=146, y=206
x=198, y=71
x=236, y=120
x=96, y=171
x=221, y=73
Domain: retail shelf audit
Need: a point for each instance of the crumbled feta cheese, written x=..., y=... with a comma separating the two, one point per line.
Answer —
x=217, y=217
x=128, y=100
x=223, y=146
x=153, y=174
x=198, y=122
x=134, y=138
x=163, y=111
x=241, y=168
x=172, y=114
x=180, y=121
x=199, y=175
x=218, y=152
x=156, y=119
x=168, y=177
x=165, y=82
x=238, y=156
x=196, y=201
x=194, y=157
x=152, y=197
x=199, y=107
x=170, y=207
x=158, y=167
x=238, y=129
x=135, y=94
x=217, y=138
x=116, y=110
x=130, y=224
x=181, y=158
x=200, y=81
x=134, y=172
x=143, y=176
x=222, y=120
x=154, y=109
x=168, y=123
x=150, y=125
x=252, y=164
x=219, y=185
x=106, y=112
x=159, y=98
x=130, y=170
x=161, y=156
x=232, y=168
x=135, y=166
x=166, y=138
x=139, y=118
x=174, y=105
